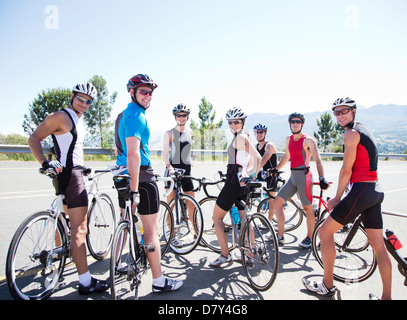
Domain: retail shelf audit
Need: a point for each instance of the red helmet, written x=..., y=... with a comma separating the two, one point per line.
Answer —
x=141, y=80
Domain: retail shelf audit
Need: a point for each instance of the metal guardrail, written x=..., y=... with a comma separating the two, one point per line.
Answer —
x=158, y=152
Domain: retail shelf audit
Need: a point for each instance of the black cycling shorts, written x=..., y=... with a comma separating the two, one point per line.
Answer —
x=149, y=198
x=186, y=183
x=72, y=185
x=365, y=199
x=232, y=194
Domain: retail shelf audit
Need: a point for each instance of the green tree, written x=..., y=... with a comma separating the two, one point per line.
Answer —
x=206, y=133
x=44, y=104
x=328, y=134
x=97, y=117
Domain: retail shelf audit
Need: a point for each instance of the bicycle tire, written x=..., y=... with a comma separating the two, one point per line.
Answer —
x=356, y=263
x=259, y=251
x=293, y=216
x=124, y=280
x=101, y=227
x=186, y=234
x=166, y=227
x=209, y=238
x=27, y=276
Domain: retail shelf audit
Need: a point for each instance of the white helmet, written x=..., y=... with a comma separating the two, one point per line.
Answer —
x=348, y=102
x=235, y=114
x=86, y=88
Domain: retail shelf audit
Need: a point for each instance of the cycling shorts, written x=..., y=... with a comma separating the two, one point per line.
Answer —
x=149, y=198
x=365, y=199
x=232, y=194
x=72, y=185
x=186, y=184
x=300, y=182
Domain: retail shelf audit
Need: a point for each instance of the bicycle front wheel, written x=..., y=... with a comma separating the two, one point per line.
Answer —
x=165, y=227
x=356, y=262
x=124, y=280
x=32, y=269
x=188, y=224
x=259, y=250
x=101, y=226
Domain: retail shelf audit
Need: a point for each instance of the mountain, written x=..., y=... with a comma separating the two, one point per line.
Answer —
x=388, y=123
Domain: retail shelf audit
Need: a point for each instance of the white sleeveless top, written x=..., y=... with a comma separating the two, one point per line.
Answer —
x=69, y=146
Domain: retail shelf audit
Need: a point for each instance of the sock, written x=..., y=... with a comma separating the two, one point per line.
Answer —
x=85, y=279
x=159, y=282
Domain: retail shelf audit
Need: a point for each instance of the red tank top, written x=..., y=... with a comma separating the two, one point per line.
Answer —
x=298, y=155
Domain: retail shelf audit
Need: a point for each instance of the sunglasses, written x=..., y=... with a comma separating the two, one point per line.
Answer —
x=145, y=92
x=234, y=122
x=181, y=115
x=259, y=132
x=81, y=99
x=343, y=111
x=295, y=121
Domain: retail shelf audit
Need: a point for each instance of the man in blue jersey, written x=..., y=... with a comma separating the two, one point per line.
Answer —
x=131, y=137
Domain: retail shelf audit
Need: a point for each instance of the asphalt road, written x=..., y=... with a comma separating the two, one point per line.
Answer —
x=24, y=191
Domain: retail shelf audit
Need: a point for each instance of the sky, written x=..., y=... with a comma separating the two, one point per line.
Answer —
x=259, y=55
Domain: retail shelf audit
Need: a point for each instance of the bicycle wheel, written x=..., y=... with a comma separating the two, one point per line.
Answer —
x=188, y=229
x=259, y=250
x=209, y=238
x=355, y=263
x=101, y=226
x=32, y=271
x=293, y=216
x=124, y=280
x=166, y=227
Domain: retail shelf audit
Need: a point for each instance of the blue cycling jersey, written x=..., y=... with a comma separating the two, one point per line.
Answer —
x=132, y=122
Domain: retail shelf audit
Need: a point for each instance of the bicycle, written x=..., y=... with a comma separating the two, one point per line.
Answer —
x=128, y=259
x=355, y=260
x=38, y=251
x=293, y=210
x=257, y=241
x=188, y=220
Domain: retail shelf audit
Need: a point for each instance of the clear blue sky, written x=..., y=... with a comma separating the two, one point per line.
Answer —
x=261, y=55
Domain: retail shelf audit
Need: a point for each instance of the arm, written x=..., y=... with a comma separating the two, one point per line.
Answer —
x=285, y=157
x=351, y=140
x=270, y=150
x=166, y=151
x=242, y=142
x=311, y=147
x=133, y=161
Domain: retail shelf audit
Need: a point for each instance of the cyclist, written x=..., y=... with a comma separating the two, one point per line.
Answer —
x=268, y=152
x=131, y=138
x=359, y=169
x=300, y=149
x=241, y=153
x=67, y=130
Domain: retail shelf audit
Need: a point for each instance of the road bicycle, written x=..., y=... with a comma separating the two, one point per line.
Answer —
x=355, y=259
x=128, y=259
x=188, y=218
x=293, y=210
x=41, y=245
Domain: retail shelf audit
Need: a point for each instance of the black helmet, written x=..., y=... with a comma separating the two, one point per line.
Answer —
x=296, y=115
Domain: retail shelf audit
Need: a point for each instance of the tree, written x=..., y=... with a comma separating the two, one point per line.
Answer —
x=206, y=134
x=46, y=103
x=328, y=135
x=97, y=117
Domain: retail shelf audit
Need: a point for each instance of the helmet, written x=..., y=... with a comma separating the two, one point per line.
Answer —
x=140, y=80
x=86, y=88
x=260, y=127
x=296, y=115
x=348, y=102
x=180, y=108
x=235, y=114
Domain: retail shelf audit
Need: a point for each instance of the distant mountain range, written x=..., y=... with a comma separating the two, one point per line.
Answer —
x=388, y=123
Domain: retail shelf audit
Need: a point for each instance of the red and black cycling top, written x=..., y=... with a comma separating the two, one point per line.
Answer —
x=366, y=162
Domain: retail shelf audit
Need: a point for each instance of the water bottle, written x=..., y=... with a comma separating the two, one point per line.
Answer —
x=140, y=230
x=395, y=242
x=235, y=215
x=315, y=205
